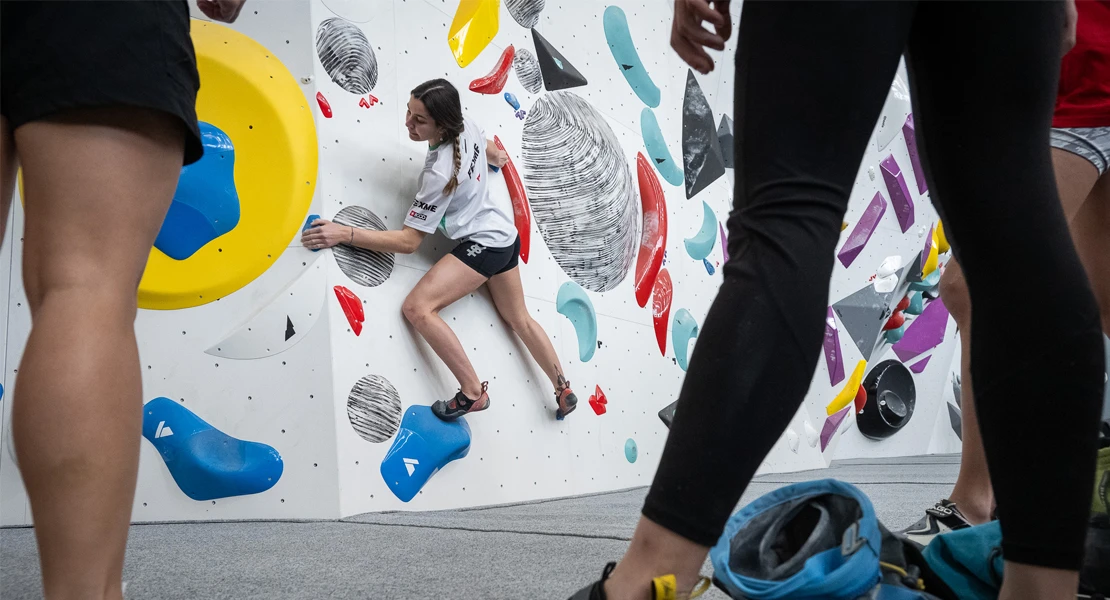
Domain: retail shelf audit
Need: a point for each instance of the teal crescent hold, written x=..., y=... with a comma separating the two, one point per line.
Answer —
x=684, y=329
x=657, y=149
x=699, y=246
x=628, y=60
x=573, y=303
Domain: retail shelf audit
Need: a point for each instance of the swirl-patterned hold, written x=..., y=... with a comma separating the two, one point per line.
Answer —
x=525, y=12
x=347, y=55
x=364, y=267
x=581, y=190
x=527, y=70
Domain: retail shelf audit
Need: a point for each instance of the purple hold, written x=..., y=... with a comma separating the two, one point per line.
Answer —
x=926, y=332
x=832, y=349
x=919, y=366
x=863, y=230
x=831, y=425
x=899, y=193
x=915, y=160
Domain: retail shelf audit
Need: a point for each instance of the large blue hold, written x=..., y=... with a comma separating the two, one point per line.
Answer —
x=205, y=462
x=424, y=445
x=205, y=205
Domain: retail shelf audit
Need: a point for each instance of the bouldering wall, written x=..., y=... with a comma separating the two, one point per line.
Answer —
x=285, y=383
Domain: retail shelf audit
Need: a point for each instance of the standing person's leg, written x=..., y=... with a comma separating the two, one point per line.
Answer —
x=98, y=184
x=972, y=494
x=1004, y=220
x=811, y=79
x=443, y=284
x=508, y=297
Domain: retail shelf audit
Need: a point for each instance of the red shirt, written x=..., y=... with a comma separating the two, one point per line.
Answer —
x=1083, y=99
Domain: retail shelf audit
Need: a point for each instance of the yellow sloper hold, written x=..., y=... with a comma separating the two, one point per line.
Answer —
x=848, y=392
x=942, y=242
x=251, y=96
x=473, y=29
x=932, y=261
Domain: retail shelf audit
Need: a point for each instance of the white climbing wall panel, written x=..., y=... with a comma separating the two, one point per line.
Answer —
x=328, y=399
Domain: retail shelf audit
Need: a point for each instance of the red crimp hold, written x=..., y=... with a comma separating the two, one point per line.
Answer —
x=324, y=106
x=895, y=321
x=903, y=305
x=352, y=307
x=861, y=399
x=653, y=235
x=598, y=401
x=495, y=81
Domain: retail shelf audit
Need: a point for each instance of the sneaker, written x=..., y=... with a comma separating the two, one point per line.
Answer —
x=941, y=518
x=662, y=588
x=461, y=405
x=565, y=398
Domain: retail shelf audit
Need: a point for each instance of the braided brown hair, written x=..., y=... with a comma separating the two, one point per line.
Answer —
x=441, y=99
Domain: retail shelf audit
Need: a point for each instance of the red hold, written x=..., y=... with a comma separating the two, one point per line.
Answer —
x=903, y=305
x=522, y=214
x=661, y=308
x=598, y=401
x=324, y=106
x=352, y=307
x=367, y=102
x=495, y=81
x=653, y=236
x=861, y=399
x=896, y=320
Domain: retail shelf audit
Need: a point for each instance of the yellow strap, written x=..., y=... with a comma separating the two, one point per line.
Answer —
x=666, y=588
x=899, y=570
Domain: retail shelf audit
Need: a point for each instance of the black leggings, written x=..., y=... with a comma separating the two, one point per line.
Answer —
x=811, y=79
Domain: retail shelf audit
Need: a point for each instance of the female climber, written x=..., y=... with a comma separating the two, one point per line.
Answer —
x=453, y=189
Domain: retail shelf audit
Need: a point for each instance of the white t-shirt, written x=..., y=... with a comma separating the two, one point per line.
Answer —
x=468, y=214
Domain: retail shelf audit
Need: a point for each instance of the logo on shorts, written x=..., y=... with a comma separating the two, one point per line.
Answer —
x=474, y=250
x=416, y=215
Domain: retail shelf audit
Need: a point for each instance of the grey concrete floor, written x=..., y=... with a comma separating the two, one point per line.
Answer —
x=536, y=550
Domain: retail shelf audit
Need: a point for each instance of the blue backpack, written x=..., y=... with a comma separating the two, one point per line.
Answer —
x=817, y=539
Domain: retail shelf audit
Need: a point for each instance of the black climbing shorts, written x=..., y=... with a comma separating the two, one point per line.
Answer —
x=57, y=55
x=488, y=261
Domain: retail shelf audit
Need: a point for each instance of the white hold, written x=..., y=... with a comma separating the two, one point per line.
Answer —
x=921, y=231
x=811, y=435
x=792, y=440
x=885, y=285
x=871, y=173
x=890, y=266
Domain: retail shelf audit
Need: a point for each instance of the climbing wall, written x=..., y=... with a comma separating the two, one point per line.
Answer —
x=281, y=382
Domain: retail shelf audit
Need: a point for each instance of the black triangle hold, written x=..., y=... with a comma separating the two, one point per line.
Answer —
x=289, y=331
x=627, y=67
x=701, y=150
x=558, y=73
x=660, y=161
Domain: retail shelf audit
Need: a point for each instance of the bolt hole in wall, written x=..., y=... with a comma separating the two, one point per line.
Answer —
x=617, y=166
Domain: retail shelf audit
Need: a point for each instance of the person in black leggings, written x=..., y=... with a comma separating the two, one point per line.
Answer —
x=811, y=80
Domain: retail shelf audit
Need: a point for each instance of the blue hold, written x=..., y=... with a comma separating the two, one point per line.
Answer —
x=424, y=445
x=206, y=204
x=308, y=225
x=511, y=99
x=630, y=450
x=205, y=462
x=708, y=267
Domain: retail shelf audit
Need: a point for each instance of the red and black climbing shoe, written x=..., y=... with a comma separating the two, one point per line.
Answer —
x=565, y=398
x=461, y=405
x=662, y=588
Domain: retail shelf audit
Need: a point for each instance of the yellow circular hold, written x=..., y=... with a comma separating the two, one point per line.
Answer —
x=252, y=97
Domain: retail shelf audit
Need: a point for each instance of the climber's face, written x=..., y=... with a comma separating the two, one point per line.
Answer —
x=422, y=127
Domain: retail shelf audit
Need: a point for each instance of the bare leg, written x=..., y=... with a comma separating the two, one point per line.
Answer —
x=98, y=184
x=508, y=297
x=1090, y=227
x=446, y=282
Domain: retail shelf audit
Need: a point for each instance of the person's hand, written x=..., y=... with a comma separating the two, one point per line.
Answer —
x=498, y=158
x=325, y=234
x=690, y=39
x=221, y=10
x=1069, y=26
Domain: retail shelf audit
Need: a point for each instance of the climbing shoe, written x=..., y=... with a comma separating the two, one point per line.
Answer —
x=565, y=398
x=461, y=405
x=662, y=588
x=941, y=518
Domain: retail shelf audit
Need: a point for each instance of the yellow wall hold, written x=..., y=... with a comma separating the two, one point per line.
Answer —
x=473, y=29
x=942, y=242
x=848, y=392
x=250, y=95
x=932, y=260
